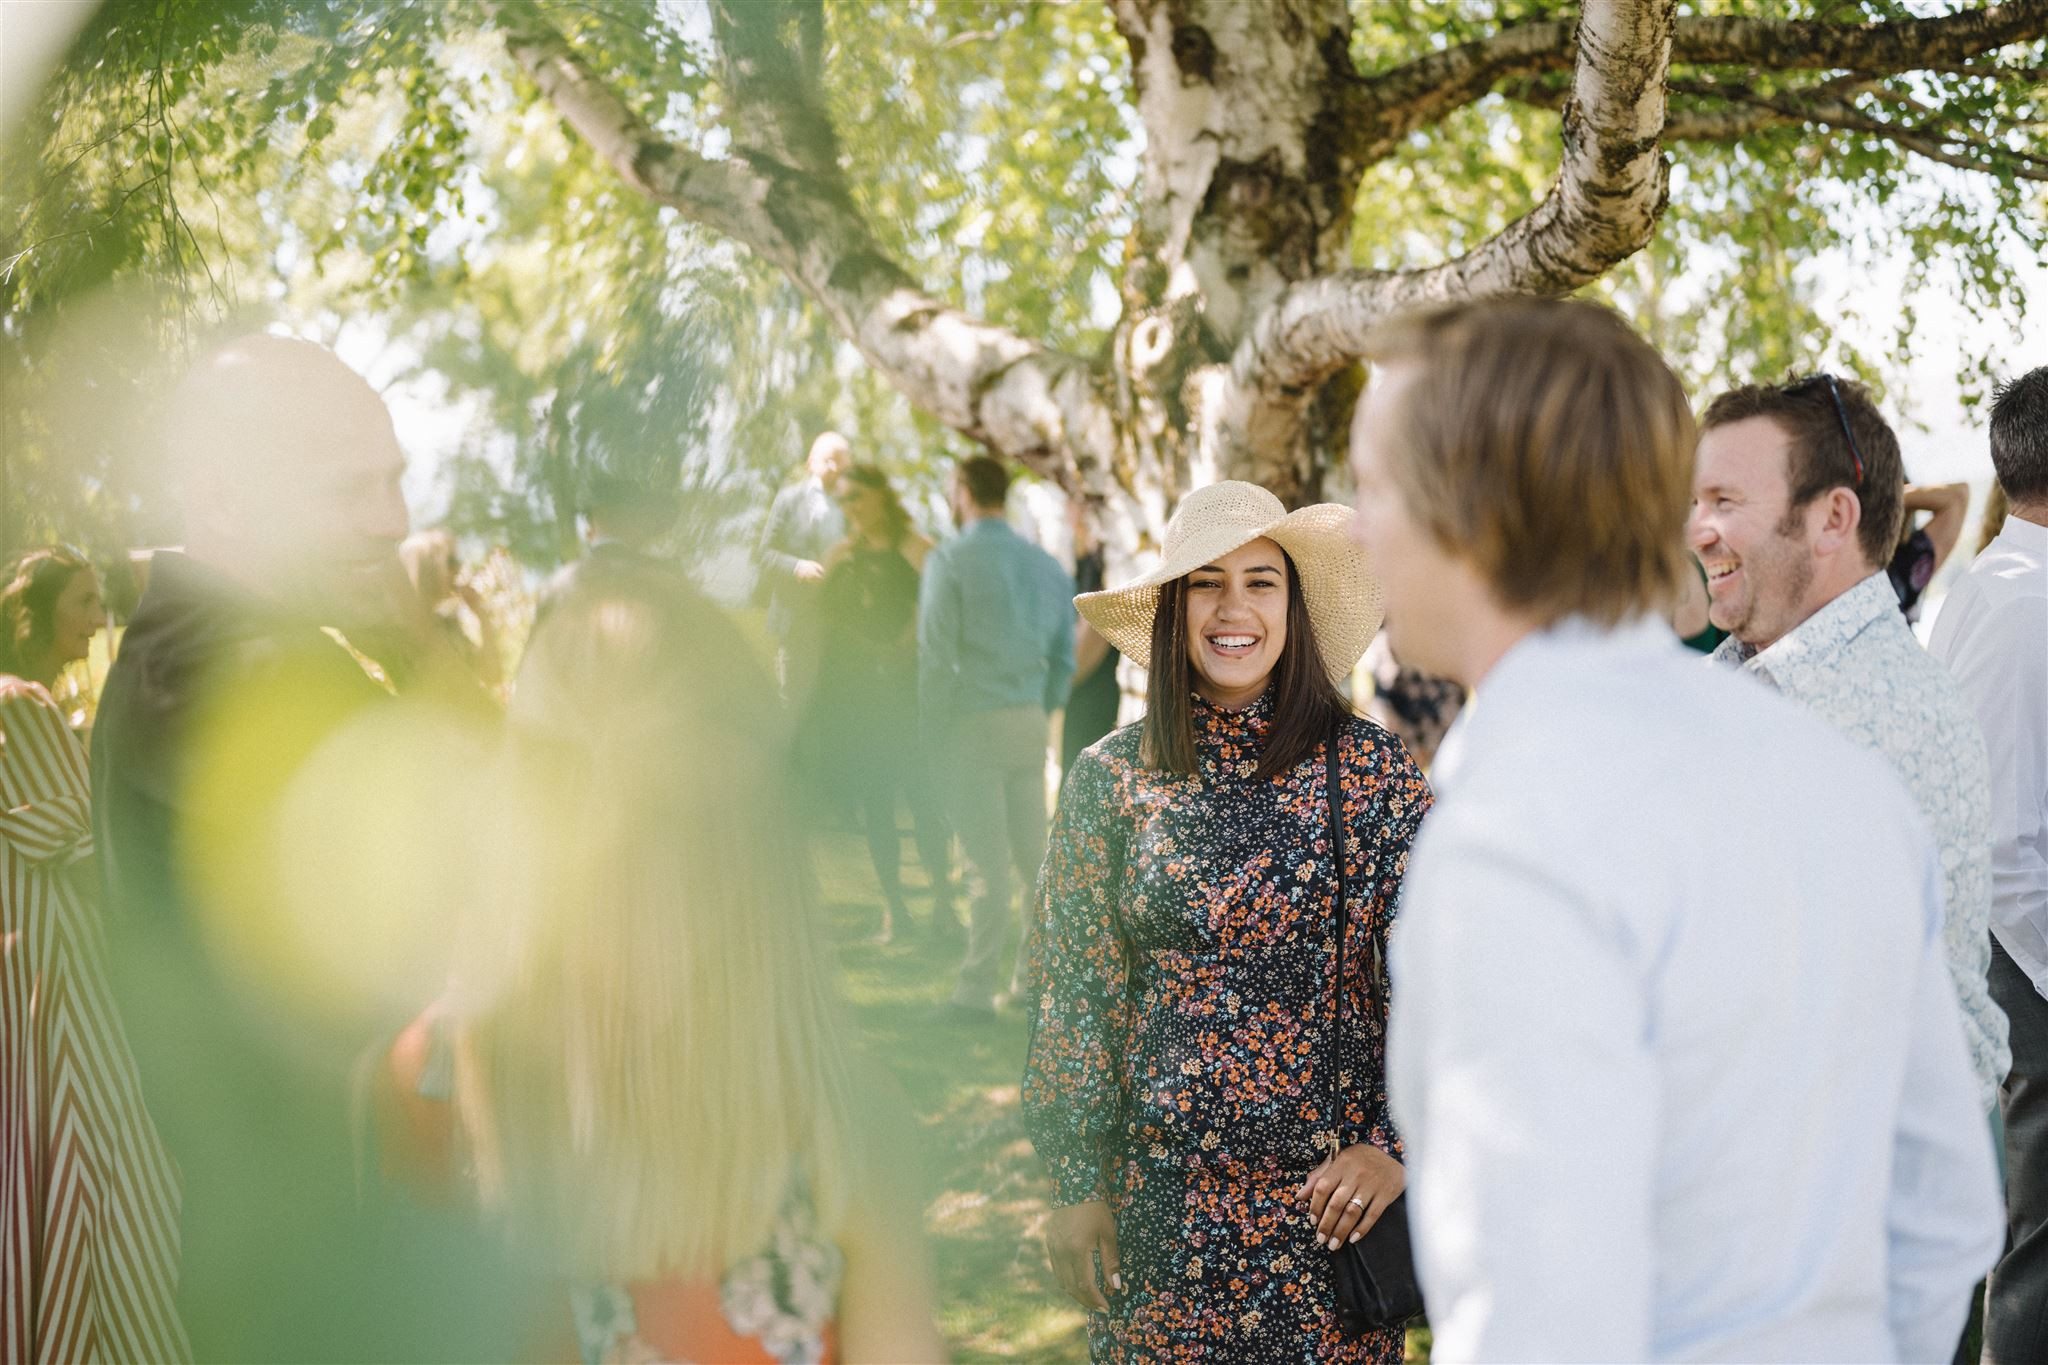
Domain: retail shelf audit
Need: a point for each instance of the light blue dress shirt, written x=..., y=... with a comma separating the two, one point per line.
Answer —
x=995, y=625
x=1674, y=1047
x=1856, y=665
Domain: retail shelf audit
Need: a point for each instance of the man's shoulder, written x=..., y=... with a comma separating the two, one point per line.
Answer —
x=1907, y=696
x=940, y=555
x=1658, y=733
x=1661, y=781
x=2007, y=589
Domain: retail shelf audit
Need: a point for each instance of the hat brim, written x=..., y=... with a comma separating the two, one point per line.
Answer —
x=1345, y=604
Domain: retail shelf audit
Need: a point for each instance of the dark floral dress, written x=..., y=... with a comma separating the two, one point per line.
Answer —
x=1183, y=964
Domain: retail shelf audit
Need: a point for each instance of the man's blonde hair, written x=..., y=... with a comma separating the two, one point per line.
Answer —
x=1550, y=446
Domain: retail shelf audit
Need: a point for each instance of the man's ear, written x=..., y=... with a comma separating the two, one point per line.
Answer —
x=1834, y=519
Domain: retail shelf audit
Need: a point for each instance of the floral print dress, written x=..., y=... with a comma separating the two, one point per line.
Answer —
x=1183, y=964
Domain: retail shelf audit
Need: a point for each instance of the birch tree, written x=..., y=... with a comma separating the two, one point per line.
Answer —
x=1258, y=128
x=1261, y=135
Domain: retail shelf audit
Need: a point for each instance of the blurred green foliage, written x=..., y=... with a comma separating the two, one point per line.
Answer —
x=380, y=169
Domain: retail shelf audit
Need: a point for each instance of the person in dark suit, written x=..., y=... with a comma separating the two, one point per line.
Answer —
x=284, y=626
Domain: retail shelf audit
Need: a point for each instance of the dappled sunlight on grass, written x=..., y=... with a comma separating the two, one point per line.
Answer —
x=984, y=1192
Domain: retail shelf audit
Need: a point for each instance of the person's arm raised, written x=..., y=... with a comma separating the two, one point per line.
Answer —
x=1947, y=504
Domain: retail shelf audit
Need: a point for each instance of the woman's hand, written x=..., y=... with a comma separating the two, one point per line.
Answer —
x=1347, y=1193
x=1074, y=1237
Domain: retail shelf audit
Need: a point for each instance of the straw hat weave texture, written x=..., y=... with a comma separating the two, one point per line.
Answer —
x=1344, y=600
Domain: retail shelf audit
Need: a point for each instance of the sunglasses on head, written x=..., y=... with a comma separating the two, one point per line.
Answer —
x=1841, y=412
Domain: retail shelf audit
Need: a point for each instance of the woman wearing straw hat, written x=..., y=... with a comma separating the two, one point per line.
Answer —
x=1179, y=1085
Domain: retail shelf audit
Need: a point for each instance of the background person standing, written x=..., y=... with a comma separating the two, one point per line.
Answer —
x=1992, y=634
x=995, y=639
x=804, y=523
x=88, y=1195
x=862, y=718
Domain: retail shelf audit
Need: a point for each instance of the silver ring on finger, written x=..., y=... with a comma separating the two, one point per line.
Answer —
x=1356, y=1203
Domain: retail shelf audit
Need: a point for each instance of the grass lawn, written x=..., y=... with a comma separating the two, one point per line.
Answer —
x=985, y=1194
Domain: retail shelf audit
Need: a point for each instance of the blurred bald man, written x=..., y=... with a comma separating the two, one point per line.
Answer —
x=245, y=657
x=804, y=522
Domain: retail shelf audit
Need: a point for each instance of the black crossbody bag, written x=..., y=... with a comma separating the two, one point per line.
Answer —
x=1375, y=1275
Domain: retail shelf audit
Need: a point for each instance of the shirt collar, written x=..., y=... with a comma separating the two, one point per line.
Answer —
x=1245, y=724
x=1574, y=646
x=1814, y=647
x=2025, y=535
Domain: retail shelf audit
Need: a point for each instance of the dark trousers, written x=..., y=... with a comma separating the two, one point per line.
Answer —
x=876, y=799
x=2016, y=1315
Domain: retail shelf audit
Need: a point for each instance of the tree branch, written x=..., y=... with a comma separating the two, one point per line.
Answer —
x=1605, y=204
x=782, y=195
x=1825, y=106
x=1391, y=104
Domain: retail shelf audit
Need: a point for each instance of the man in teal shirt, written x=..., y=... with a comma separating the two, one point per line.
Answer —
x=995, y=638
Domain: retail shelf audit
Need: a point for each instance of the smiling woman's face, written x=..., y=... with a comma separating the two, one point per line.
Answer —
x=1237, y=623
x=76, y=618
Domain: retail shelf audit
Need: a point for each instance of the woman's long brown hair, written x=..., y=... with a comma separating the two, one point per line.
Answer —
x=1305, y=701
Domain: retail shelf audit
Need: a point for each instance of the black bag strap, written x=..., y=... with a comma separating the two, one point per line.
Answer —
x=1333, y=781
x=1333, y=785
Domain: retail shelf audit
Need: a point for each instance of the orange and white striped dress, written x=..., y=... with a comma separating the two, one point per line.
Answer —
x=88, y=1196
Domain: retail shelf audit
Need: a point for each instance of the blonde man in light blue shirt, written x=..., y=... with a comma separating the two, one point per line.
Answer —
x=1674, y=1045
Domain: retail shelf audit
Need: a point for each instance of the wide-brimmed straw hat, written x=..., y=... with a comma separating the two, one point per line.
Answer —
x=1344, y=600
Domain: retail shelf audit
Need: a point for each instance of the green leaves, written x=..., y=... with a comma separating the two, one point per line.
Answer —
x=383, y=163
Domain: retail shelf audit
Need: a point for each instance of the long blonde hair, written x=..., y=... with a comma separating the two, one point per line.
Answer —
x=649, y=1059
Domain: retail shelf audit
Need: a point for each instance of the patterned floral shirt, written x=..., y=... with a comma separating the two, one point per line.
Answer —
x=1856, y=664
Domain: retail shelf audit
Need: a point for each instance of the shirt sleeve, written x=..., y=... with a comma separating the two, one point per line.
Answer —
x=2016, y=725
x=1073, y=1097
x=1945, y=1219
x=1525, y=1084
x=45, y=803
x=774, y=558
x=938, y=640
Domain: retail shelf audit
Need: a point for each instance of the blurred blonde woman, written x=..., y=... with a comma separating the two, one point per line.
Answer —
x=642, y=1074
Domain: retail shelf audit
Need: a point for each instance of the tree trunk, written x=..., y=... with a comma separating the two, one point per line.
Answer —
x=1247, y=189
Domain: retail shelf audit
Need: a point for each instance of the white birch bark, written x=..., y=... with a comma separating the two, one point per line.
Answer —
x=1238, y=305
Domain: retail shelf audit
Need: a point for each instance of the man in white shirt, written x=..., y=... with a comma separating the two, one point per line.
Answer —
x=1993, y=635
x=1798, y=497
x=1674, y=1049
